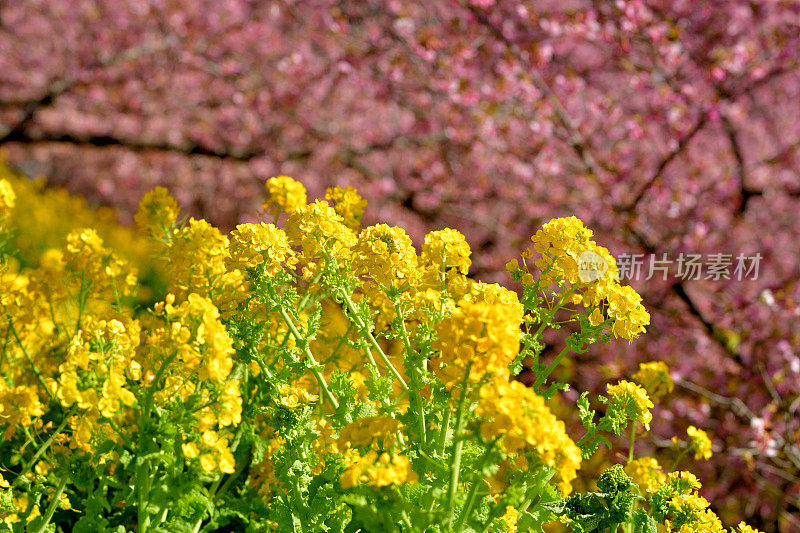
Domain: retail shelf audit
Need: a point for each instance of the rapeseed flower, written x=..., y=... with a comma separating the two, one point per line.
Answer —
x=285, y=194
x=654, y=377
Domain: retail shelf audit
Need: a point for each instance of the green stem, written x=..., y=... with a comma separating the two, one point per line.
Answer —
x=303, y=345
x=143, y=480
x=30, y=360
x=43, y=448
x=680, y=456
x=633, y=440
x=442, y=444
x=82, y=294
x=473, y=491
x=544, y=375
x=373, y=341
x=458, y=444
x=415, y=393
x=52, y=507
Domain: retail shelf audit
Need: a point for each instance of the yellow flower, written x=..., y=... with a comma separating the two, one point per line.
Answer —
x=654, y=377
x=632, y=400
x=158, y=212
x=446, y=249
x=292, y=397
x=510, y=518
x=378, y=470
x=255, y=244
x=596, y=317
x=285, y=194
x=569, y=259
x=700, y=443
x=7, y=198
x=624, y=305
x=348, y=204
x=380, y=430
x=318, y=228
x=511, y=409
x=646, y=472
x=478, y=335
x=190, y=450
x=744, y=528
x=384, y=254
x=207, y=462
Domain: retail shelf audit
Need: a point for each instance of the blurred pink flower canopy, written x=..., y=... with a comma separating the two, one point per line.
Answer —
x=668, y=126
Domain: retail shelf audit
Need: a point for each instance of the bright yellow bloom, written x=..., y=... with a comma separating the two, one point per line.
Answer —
x=285, y=193
x=380, y=430
x=207, y=462
x=158, y=212
x=85, y=255
x=384, y=254
x=446, y=249
x=510, y=518
x=318, y=228
x=624, y=305
x=700, y=443
x=632, y=400
x=348, y=204
x=7, y=199
x=255, y=244
x=744, y=528
x=292, y=397
x=596, y=317
x=480, y=336
x=682, y=482
x=190, y=450
x=568, y=256
x=379, y=470
x=654, y=377
x=646, y=472
x=511, y=409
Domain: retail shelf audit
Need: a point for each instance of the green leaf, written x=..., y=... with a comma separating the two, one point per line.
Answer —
x=643, y=522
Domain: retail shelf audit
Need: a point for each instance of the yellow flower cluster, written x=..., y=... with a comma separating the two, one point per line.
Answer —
x=203, y=342
x=252, y=245
x=385, y=255
x=379, y=470
x=510, y=518
x=683, y=509
x=560, y=243
x=700, y=443
x=513, y=411
x=378, y=430
x=319, y=230
x=480, y=337
x=7, y=199
x=292, y=397
x=285, y=194
x=646, y=472
x=348, y=204
x=18, y=407
x=158, y=212
x=42, y=216
x=632, y=400
x=445, y=249
x=568, y=256
x=85, y=255
x=197, y=262
x=101, y=353
x=654, y=377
